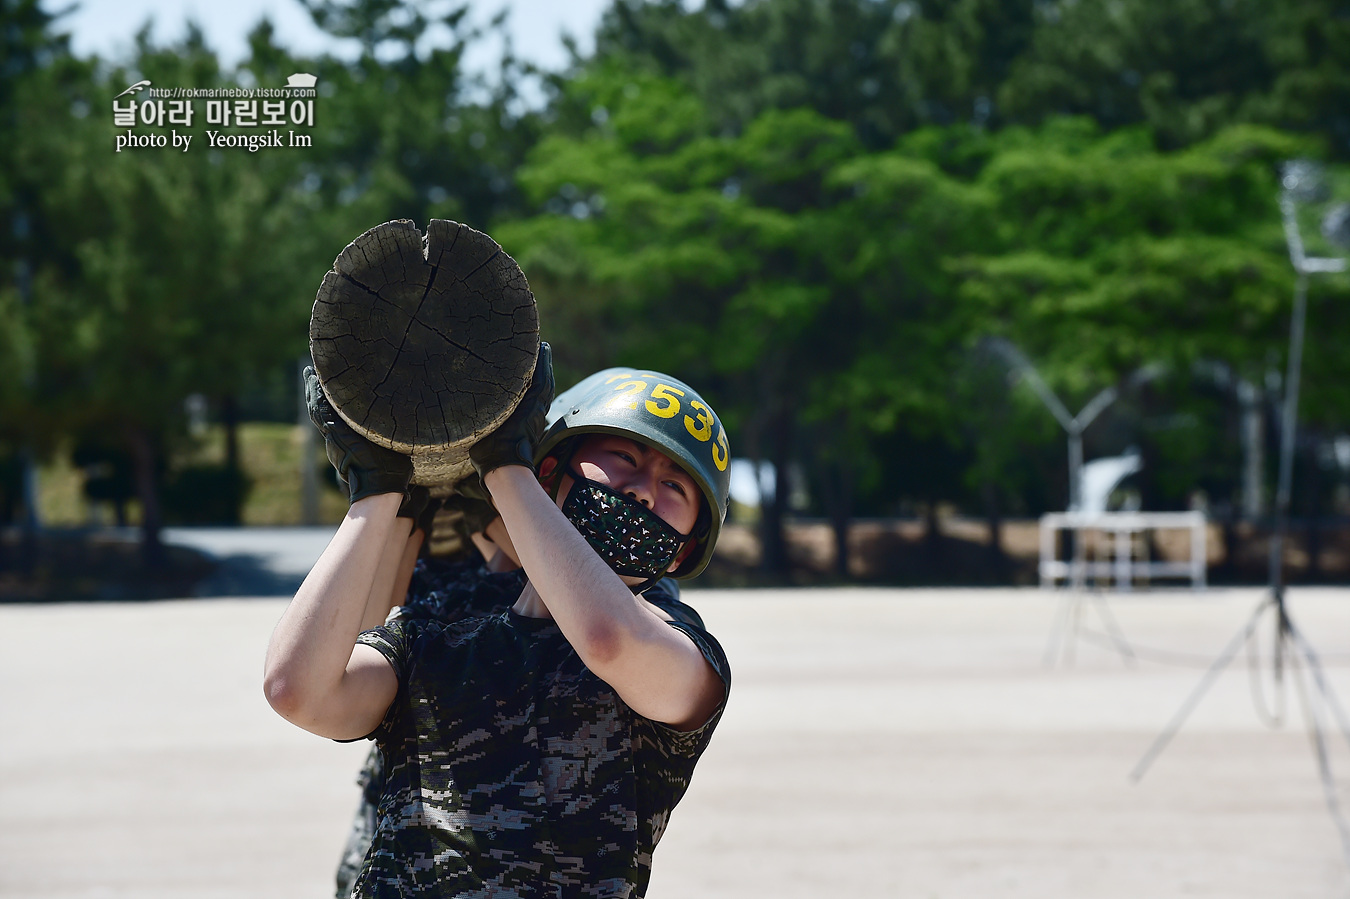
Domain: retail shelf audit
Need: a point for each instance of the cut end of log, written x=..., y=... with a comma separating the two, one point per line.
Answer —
x=424, y=344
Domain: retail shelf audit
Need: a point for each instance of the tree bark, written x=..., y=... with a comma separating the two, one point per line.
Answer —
x=773, y=538
x=993, y=517
x=424, y=345
x=837, y=495
x=28, y=543
x=229, y=418
x=145, y=461
x=229, y=413
x=1231, y=547
x=932, y=529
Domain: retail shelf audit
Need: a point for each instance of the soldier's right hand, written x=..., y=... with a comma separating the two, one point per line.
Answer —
x=363, y=468
x=514, y=440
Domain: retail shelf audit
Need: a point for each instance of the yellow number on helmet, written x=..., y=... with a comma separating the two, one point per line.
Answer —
x=720, y=459
x=703, y=430
x=667, y=393
x=630, y=389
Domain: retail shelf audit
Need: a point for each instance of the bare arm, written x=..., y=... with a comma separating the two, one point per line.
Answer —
x=655, y=668
x=496, y=532
x=400, y=552
x=315, y=675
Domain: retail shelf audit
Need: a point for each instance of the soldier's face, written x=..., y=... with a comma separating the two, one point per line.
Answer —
x=638, y=471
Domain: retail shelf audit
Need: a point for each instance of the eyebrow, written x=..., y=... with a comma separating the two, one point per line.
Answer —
x=670, y=464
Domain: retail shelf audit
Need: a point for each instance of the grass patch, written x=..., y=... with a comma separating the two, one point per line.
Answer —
x=269, y=453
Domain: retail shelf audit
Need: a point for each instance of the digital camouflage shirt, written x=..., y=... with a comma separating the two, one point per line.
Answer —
x=447, y=590
x=450, y=590
x=512, y=771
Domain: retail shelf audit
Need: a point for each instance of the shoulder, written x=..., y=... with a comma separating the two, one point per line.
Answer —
x=677, y=748
x=706, y=643
x=415, y=645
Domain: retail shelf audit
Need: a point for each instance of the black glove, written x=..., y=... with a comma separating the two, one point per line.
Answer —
x=419, y=505
x=472, y=515
x=514, y=440
x=364, y=468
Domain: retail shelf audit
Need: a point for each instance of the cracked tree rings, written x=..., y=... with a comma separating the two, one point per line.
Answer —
x=425, y=344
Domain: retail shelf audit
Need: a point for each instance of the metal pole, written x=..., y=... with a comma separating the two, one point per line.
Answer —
x=1048, y=533
x=1124, y=557
x=1076, y=530
x=1288, y=430
x=1252, y=461
x=1076, y=469
x=1199, y=552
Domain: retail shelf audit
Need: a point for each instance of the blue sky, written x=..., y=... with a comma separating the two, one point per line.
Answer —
x=106, y=27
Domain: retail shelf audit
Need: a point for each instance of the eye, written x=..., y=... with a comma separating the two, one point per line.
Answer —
x=625, y=456
x=678, y=487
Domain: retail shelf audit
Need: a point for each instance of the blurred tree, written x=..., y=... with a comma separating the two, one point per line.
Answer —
x=745, y=59
x=814, y=208
x=895, y=222
x=884, y=66
x=406, y=132
x=836, y=295
x=36, y=70
x=181, y=274
x=177, y=273
x=801, y=275
x=1188, y=68
x=697, y=253
x=28, y=49
x=1113, y=255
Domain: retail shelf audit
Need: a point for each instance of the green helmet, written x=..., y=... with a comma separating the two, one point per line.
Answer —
x=661, y=412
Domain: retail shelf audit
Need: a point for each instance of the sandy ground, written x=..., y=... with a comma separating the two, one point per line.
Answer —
x=877, y=743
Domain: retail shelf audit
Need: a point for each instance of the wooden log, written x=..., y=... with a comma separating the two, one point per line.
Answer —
x=425, y=344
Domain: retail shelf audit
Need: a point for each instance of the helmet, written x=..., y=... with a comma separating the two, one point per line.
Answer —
x=661, y=412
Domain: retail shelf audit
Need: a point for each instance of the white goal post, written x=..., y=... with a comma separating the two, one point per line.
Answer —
x=1118, y=530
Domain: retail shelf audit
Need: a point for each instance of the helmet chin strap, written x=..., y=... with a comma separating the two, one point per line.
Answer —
x=639, y=589
x=562, y=455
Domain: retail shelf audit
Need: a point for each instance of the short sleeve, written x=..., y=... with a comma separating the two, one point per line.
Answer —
x=692, y=743
x=392, y=640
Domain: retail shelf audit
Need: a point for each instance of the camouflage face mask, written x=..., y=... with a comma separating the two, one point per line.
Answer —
x=631, y=539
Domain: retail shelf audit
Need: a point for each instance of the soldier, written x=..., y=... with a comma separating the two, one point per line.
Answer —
x=484, y=577
x=537, y=750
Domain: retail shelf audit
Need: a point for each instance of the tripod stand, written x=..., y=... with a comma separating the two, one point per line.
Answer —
x=1290, y=648
x=1069, y=618
x=1119, y=530
x=1289, y=644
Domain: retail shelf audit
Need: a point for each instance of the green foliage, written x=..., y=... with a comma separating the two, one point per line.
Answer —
x=816, y=210
x=185, y=273
x=1104, y=243
x=1186, y=69
x=404, y=132
x=205, y=494
x=145, y=276
x=840, y=294
x=884, y=66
